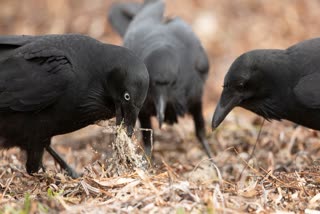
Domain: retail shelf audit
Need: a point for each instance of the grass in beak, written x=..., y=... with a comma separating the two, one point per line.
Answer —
x=127, y=154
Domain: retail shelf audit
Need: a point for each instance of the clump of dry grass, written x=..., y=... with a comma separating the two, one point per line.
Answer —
x=127, y=154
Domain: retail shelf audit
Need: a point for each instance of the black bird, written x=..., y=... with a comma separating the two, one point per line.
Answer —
x=55, y=84
x=121, y=14
x=275, y=84
x=177, y=65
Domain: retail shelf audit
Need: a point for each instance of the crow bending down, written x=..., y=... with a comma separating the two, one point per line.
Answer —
x=176, y=61
x=56, y=84
x=275, y=84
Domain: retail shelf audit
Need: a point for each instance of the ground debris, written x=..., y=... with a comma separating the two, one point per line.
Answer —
x=180, y=183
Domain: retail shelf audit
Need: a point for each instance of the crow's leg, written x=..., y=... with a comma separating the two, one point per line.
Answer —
x=34, y=159
x=71, y=172
x=196, y=111
x=145, y=122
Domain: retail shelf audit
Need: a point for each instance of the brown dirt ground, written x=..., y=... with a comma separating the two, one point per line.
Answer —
x=282, y=173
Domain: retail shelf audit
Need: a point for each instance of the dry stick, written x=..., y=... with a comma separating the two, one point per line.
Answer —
x=257, y=172
x=149, y=159
x=275, y=178
x=7, y=185
x=302, y=186
x=247, y=164
x=215, y=167
x=170, y=170
x=254, y=148
x=151, y=136
x=260, y=174
x=2, y=174
x=266, y=176
x=268, y=173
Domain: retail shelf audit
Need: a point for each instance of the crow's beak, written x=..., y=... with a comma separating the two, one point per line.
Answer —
x=224, y=106
x=128, y=115
x=160, y=103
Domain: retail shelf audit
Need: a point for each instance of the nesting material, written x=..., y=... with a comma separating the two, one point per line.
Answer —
x=127, y=154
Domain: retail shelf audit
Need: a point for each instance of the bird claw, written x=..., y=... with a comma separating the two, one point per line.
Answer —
x=72, y=173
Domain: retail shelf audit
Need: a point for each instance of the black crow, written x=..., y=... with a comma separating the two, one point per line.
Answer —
x=55, y=84
x=177, y=64
x=121, y=14
x=275, y=84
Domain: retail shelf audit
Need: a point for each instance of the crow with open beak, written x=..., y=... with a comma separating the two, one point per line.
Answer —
x=176, y=62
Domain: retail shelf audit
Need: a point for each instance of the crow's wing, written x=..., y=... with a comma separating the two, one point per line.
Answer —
x=121, y=14
x=184, y=33
x=307, y=91
x=33, y=78
x=10, y=43
x=151, y=12
x=15, y=40
x=142, y=35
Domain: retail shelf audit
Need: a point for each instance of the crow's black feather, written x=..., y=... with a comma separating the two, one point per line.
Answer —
x=55, y=84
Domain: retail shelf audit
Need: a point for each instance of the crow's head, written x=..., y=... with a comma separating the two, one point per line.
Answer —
x=163, y=66
x=254, y=82
x=127, y=84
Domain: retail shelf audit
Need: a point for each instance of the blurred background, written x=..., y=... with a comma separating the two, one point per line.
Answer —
x=226, y=28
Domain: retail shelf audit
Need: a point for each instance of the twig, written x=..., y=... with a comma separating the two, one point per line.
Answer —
x=7, y=186
x=215, y=167
x=254, y=148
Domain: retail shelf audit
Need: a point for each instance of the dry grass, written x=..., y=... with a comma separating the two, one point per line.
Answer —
x=127, y=155
x=283, y=175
